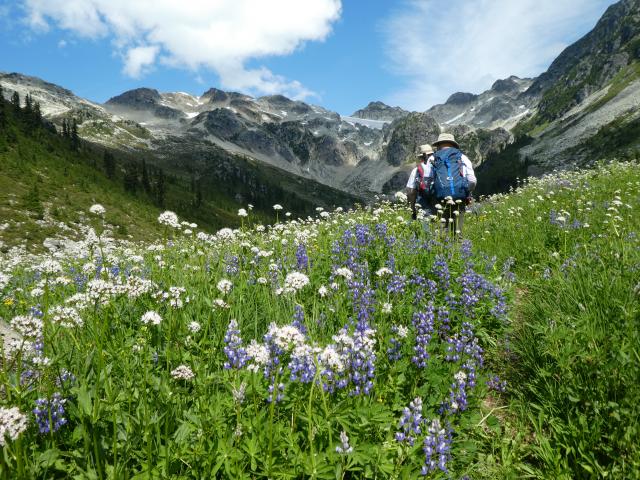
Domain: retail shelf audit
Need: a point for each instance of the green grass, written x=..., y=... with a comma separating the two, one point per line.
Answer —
x=574, y=342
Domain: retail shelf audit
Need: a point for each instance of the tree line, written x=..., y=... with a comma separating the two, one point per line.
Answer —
x=27, y=118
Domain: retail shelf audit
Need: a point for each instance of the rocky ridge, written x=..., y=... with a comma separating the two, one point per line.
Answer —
x=502, y=106
x=348, y=153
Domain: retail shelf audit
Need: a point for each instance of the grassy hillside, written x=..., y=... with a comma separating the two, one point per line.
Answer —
x=360, y=345
x=571, y=349
x=45, y=181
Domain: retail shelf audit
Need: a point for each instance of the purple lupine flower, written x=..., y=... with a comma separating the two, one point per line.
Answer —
x=302, y=364
x=301, y=257
x=356, y=355
x=363, y=235
x=344, y=448
x=397, y=284
x=426, y=287
x=363, y=301
x=507, y=274
x=466, y=249
x=381, y=230
x=494, y=383
x=298, y=319
x=489, y=262
x=441, y=271
x=423, y=322
x=279, y=395
x=232, y=264
x=410, y=425
x=464, y=343
x=65, y=377
x=50, y=413
x=391, y=262
x=29, y=376
x=437, y=447
x=394, y=351
x=463, y=381
x=233, y=349
x=444, y=323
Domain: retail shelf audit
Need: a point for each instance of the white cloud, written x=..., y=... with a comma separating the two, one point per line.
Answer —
x=139, y=59
x=222, y=35
x=464, y=45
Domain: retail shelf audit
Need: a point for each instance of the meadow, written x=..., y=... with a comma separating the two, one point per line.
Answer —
x=351, y=344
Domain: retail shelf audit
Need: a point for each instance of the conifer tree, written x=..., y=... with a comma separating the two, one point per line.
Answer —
x=146, y=184
x=28, y=105
x=160, y=188
x=75, y=139
x=37, y=113
x=130, y=179
x=15, y=101
x=109, y=163
x=3, y=118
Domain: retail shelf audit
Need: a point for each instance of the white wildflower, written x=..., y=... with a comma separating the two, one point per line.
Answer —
x=285, y=337
x=220, y=303
x=277, y=207
x=402, y=331
x=12, y=424
x=226, y=234
x=97, y=209
x=27, y=326
x=67, y=317
x=182, y=372
x=344, y=272
x=242, y=212
x=331, y=359
x=295, y=281
x=169, y=219
x=384, y=271
x=225, y=286
x=460, y=377
x=194, y=327
x=151, y=318
x=400, y=197
x=259, y=353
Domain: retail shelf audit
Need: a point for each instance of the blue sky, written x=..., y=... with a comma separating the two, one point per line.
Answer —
x=339, y=54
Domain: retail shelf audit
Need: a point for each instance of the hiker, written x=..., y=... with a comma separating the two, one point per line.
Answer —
x=417, y=189
x=453, y=179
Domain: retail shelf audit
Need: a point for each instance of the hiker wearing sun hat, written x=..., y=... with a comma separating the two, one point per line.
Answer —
x=453, y=179
x=417, y=189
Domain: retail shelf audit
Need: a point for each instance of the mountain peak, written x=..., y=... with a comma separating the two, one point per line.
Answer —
x=380, y=111
x=506, y=84
x=136, y=97
x=461, y=97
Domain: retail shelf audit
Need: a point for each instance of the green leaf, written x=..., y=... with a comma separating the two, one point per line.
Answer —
x=84, y=401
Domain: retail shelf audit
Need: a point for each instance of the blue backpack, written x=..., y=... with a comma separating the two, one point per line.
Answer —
x=449, y=179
